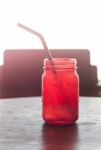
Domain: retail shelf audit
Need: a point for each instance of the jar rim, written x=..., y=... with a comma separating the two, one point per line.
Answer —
x=60, y=60
x=60, y=63
x=65, y=58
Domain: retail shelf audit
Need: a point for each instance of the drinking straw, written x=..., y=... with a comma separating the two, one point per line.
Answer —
x=47, y=51
x=40, y=37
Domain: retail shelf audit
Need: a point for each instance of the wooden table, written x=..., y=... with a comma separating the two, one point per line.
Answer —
x=22, y=127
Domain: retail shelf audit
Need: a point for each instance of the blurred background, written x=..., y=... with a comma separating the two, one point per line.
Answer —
x=64, y=24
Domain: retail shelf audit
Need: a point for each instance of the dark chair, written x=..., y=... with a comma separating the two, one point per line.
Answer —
x=23, y=68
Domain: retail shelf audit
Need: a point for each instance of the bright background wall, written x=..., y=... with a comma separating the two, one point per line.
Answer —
x=64, y=24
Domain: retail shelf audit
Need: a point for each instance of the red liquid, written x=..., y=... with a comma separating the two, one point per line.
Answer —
x=60, y=94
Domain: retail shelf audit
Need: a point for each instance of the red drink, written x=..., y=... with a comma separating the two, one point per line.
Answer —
x=60, y=91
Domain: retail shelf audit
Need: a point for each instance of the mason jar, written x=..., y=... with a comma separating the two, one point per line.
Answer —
x=60, y=91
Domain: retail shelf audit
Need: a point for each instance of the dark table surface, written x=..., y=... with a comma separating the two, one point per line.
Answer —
x=22, y=127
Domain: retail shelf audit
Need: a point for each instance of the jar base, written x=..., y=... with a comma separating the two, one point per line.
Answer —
x=60, y=122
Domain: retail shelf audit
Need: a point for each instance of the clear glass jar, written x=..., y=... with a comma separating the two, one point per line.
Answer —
x=60, y=91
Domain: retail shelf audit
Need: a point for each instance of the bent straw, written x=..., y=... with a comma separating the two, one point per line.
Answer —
x=47, y=50
x=40, y=37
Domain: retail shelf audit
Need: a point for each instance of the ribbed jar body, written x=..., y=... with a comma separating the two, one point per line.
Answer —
x=60, y=91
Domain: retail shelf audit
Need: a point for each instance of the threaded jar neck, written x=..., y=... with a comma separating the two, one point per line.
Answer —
x=60, y=63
